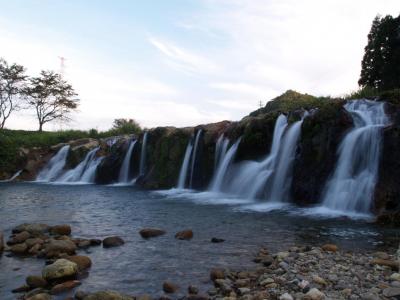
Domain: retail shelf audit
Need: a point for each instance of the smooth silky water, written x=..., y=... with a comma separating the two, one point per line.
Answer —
x=143, y=265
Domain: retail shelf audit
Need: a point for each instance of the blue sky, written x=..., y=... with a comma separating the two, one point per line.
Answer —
x=188, y=62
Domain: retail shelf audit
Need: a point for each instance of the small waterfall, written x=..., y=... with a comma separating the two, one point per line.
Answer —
x=194, y=157
x=352, y=184
x=220, y=150
x=223, y=166
x=55, y=166
x=126, y=163
x=142, y=168
x=85, y=171
x=185, y=166
x=12, y=178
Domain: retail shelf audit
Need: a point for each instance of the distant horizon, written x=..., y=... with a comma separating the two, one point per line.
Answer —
x=185, y=63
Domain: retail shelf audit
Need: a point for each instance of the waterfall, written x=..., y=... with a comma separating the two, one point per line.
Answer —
x=185, y=166
x=220, y=150
x=142, y=168
x=12, y=178
x=55, y=166
x=352, y=184
x=84, y=172
x=194, y=156
x=126, y=163
x=223, y=167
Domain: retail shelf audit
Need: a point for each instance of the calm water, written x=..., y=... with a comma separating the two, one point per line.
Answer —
x=142, y=265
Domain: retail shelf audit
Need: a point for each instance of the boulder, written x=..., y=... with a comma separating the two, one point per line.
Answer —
x=82, y=261
x=33, y=241
x=184, y=235
x=385, y=262
x=19, y=249
x=61, y=230
x=55, y=247
x=19, y=238
x=41, y=296
x=112, y=241
x=193, y=290
x=65, y=286
x=107, y=295
x=33, y=228
x=391, y=292
x=36, y=281
x=151, y=232
x=170, y=287
x=314, y=294
x=61, y=268
x=95, y=242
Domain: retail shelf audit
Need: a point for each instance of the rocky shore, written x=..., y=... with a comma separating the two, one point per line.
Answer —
x=300, y=272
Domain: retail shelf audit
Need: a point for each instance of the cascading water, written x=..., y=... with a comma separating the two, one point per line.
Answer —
x=84, y=172
x=194, y=157
x=220, y=150
x=185, y=166
x=226, y=161
x=126, y=163
x=142, y=168
x=352, y=184
x=55, y=167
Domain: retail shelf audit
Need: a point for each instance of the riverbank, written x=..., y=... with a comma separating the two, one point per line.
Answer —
x=300, y=272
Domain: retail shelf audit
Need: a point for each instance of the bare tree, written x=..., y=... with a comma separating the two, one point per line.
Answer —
x=52, y=97
x=12, y=82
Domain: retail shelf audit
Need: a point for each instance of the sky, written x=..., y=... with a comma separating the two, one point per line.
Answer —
x=186, y=62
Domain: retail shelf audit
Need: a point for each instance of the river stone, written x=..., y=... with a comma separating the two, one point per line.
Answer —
x=56, y=247
x=83, y=262
x=151, y=232
x=144, y=297
x=217, y=274
x=184, y=235
x=286, y=296
x=315, y=294
x=107, y=295
x=391, y=292
x=112, y=241
x=33, y=241
x=329, y=248
x=61, y=268
x=170, y=287
x=217, y=240
x=193, y=290
x=395, y=277
x=61, y=229
x=65, y=286
x=36, y=281
x=385, y=262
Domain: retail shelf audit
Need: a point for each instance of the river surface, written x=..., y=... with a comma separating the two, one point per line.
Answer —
x=141, y=266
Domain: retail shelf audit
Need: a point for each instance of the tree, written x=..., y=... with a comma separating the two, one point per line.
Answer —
x=12, y=82
x=52, y=97
x=126, y=126
x=380, y=67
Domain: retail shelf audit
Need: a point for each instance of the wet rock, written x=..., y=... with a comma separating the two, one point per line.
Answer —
x=80, y=295
x=107, y=295
x=144, y=297
x=19, y=238
x=170, y=287
x=95, y=242
x=267, y=260
x=33, y=241
x=314, y=294
x=34, y=250
x=184, y=235
x=19, y=249
x=151, y=232
x=384, y=262
x=21, y=289
x=61, y=268
x=217, y=240
x=33, y=228
x=193, y=290
x=36, y=281
x=391, y=292
x=329, y=248
x=41, y=296
x=61, y=230
x=319, y=280
x=197, y=297
x=83, y=262
x=55, y=247
x=395, y=277
x=217, y=274
x=83, y=244
x=65, y=286
x=112, y=241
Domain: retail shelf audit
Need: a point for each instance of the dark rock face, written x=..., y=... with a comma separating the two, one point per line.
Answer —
x=316, y=157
